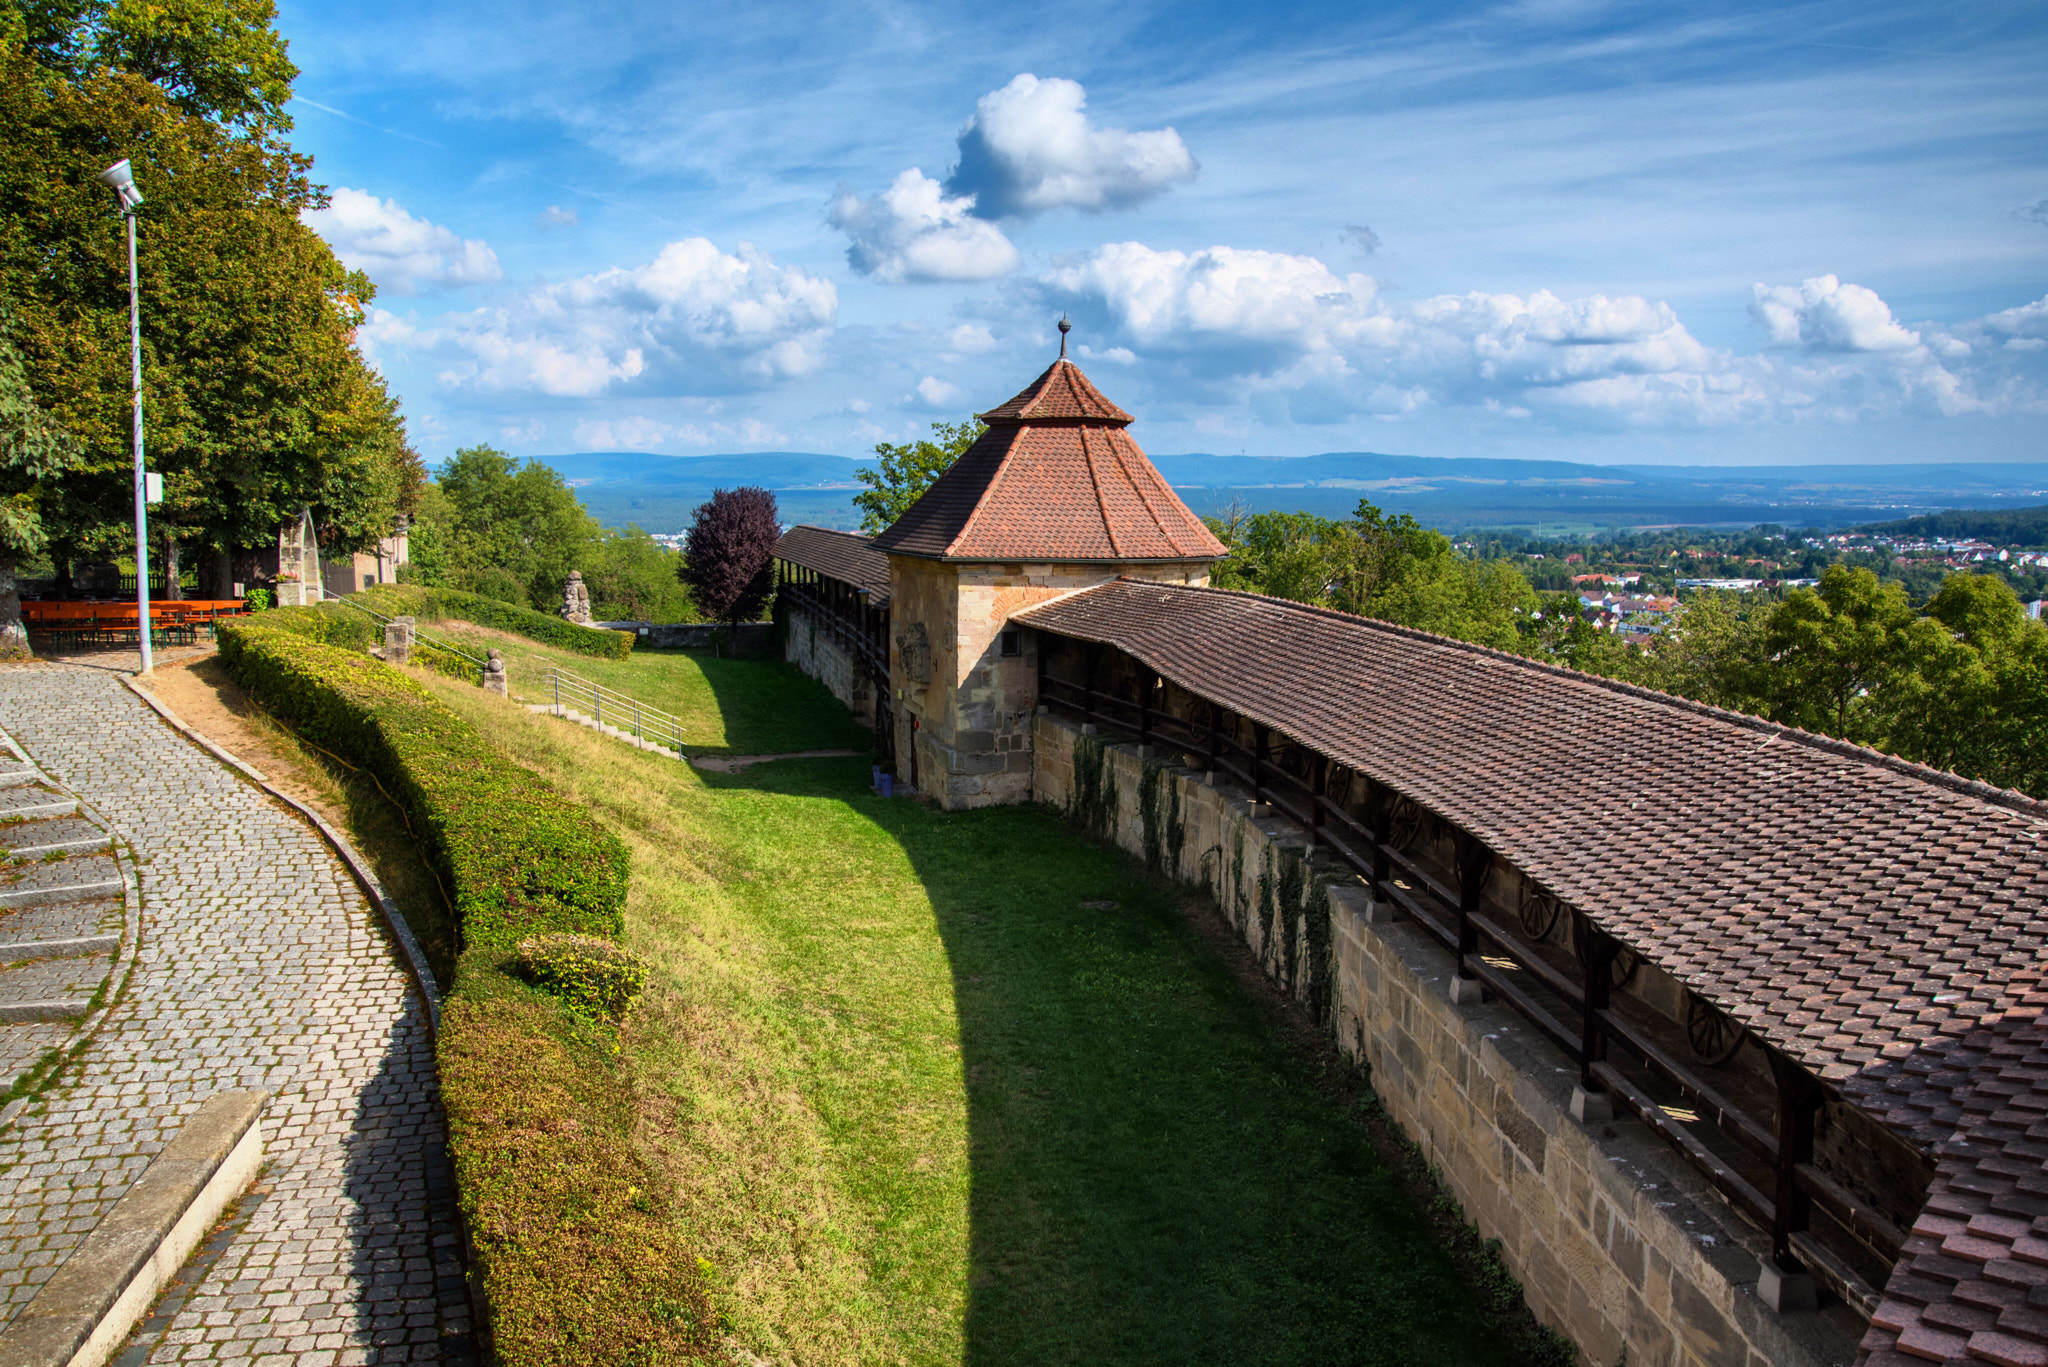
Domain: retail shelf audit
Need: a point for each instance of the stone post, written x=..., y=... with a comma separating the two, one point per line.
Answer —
x=398, y=640
x=494, y=676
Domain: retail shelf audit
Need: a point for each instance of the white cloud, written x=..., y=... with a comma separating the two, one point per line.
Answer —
x=971, y=339
x=403, y=254
x=1116, y=355
x=1030, y=147
x=914, y=231
x=938, y=394
x=637, y=432
x=554, y=216
x=694, y=320
x=1824, y=314
x=1286, y=333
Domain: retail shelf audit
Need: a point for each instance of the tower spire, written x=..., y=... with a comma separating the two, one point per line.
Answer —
x=1065, y=328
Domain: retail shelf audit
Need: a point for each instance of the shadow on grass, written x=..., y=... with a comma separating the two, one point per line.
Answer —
x=770, y=707
x=1155, y=1176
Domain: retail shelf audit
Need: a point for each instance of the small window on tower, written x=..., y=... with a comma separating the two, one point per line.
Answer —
x=1010, y=646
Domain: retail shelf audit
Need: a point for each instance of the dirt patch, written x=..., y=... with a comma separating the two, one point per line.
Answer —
x=199, y=690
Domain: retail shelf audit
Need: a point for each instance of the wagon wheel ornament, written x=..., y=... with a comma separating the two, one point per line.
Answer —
x=1713, y=1034
x=1621, y=970
x=1538, y=911
x=1404, y=823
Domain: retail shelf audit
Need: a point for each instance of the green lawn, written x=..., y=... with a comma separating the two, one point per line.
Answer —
x=738, y=707
x=921, y=1104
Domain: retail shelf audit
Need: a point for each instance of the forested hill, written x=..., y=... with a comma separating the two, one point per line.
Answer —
x=2001, y=526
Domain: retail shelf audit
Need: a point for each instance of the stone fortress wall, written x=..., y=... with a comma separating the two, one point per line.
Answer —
x=809, y=646
x=1618, y=1244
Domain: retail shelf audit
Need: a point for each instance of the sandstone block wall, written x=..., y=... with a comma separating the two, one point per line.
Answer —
x=1618, y=1245
x=809, y=646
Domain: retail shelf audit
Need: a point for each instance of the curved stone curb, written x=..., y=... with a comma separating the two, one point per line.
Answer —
x=401, y=930
x=84, y=1312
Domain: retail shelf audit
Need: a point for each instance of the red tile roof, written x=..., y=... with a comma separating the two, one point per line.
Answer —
x=1055, y=478
x=1857, y=912
x=838, y=555
x=1971, y=1284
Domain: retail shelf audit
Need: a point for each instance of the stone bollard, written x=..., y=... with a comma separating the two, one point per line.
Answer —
x=494, y=675
x=398, y=640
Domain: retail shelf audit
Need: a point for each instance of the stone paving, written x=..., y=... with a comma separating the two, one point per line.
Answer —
x=261, y=965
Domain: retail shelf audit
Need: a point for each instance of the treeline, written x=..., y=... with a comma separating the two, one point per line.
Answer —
x=513, y=532
x=257, y=401
x=2001, y=527
x=1959, y=682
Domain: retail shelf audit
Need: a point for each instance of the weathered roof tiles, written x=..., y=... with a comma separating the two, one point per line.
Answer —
x=838, y=555
x=1055, y=478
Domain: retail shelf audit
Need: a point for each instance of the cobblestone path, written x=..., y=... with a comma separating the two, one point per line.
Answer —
x=261, y=965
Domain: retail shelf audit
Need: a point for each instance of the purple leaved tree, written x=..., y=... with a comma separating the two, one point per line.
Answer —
x=727, y=557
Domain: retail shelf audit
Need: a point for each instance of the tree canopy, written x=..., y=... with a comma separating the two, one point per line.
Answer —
x=902, y=473
x=728, y=557
x=256, y=401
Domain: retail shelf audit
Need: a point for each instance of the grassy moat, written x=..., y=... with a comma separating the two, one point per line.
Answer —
x=966, y=1088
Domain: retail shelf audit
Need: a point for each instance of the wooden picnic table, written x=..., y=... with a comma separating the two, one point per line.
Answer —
x=84, y=622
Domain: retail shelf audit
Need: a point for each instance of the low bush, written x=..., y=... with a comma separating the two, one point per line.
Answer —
x=514, y=856
x=578, y=1259
x=433, y=605
x=597, y=979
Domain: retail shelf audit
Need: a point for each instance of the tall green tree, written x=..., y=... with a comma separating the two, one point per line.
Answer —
x=34, y=452
x=256, y=401
x=510, y=530
x=902, y=473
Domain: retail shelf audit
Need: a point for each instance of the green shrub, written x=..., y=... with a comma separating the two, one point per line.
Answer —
x=434, y=605
x=597, y=979
x=515, y=858
x=578, y=1256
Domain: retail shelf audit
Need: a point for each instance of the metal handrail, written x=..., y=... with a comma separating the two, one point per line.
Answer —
x=628, y=713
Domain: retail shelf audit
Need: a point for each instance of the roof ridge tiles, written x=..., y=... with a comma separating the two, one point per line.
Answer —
x=1969, y=787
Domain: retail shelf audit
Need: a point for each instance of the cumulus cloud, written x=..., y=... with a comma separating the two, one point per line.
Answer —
x=1030, y=147
x=936, y=393
x=403, y=254
x=554, y=216
x=1287, y=333
x=694, y=320
x=1826, y=315
x=915, y=231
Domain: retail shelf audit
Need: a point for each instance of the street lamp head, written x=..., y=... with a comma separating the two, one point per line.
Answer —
x=122, y=181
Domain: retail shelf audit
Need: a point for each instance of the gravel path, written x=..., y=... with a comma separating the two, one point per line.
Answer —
x=261, y=965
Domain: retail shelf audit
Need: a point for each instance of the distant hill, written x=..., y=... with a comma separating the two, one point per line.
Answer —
x=2027, y=527
x=660, y=493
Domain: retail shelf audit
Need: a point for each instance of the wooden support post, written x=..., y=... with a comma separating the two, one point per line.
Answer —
x=1145, y=715
x=1799, y=1101
x=1215, y=722
x=1596, y=953
x=1474, y=862
x=1258, y=762
x=1382, y=833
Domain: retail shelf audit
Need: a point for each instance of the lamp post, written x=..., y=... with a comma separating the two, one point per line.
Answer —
x=122, y=181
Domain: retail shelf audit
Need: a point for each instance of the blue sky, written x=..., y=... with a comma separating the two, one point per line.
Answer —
x=1558, y=228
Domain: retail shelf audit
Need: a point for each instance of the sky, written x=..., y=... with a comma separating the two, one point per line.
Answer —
x=1562, y=229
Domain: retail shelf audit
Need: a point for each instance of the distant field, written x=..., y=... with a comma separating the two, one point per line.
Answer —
x=967, y=1088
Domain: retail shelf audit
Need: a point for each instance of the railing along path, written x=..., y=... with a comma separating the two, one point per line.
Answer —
x=607, y=707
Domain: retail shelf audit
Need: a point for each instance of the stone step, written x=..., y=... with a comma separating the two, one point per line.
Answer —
x=51, y=989
x=34, y=803
x=78, y=878
x=58, y=835
x=15, y=772
x=58, y=923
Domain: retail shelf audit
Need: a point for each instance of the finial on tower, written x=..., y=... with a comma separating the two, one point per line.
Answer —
x=1065, y=328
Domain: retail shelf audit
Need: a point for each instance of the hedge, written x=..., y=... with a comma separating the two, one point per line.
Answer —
x=515, y=857
x=578, y=1260
x=432, y=604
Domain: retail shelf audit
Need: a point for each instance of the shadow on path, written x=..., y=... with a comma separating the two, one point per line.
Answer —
x=1154, y=1176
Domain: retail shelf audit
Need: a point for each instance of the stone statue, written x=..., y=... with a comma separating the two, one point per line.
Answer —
x=398, y=640
x=494, y=675
x=576, y=599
